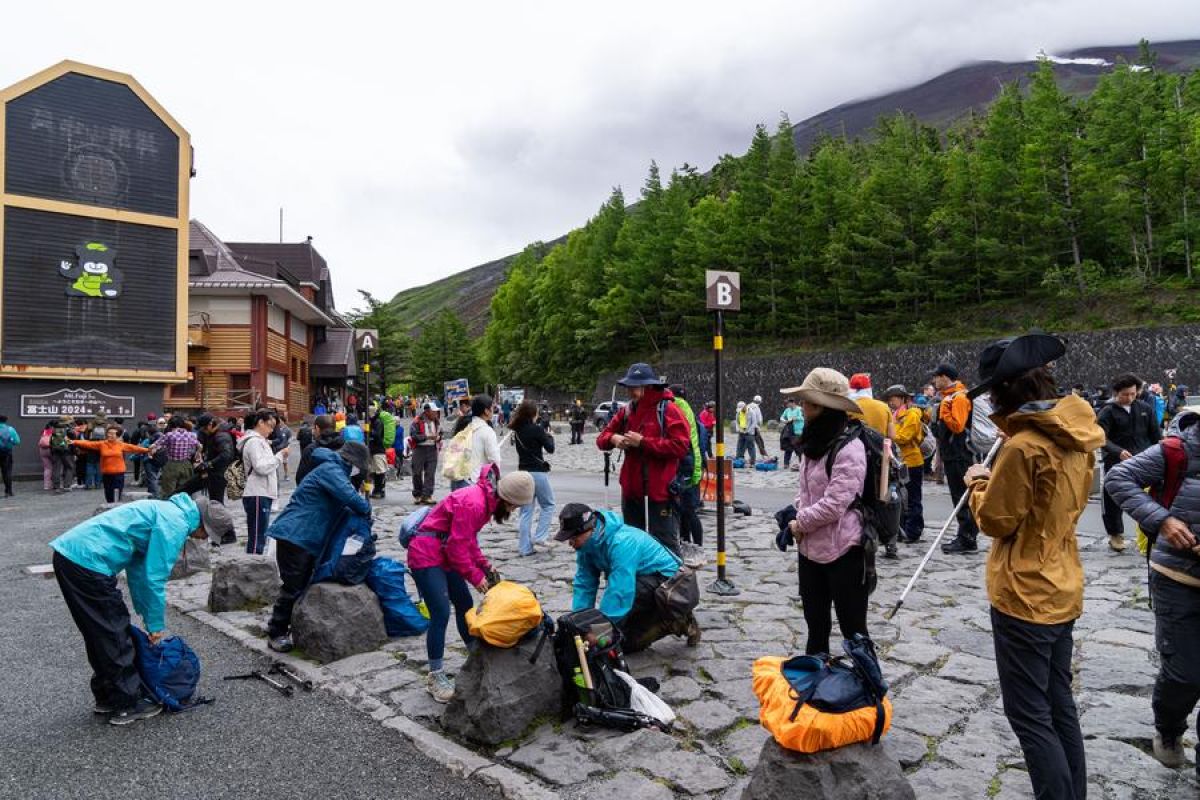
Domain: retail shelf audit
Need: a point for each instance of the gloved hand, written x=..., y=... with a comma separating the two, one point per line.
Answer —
x=493, y=577
x=783, y=540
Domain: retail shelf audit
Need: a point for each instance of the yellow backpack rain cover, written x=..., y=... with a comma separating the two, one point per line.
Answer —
x=508, y=612
x=812, y=730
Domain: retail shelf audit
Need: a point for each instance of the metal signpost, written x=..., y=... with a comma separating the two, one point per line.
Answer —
x=724, y=293
x=366, y=339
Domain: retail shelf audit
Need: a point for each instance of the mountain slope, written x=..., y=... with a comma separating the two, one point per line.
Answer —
x=940, y=102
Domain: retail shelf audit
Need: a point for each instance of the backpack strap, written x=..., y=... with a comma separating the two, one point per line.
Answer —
x=1176, y=460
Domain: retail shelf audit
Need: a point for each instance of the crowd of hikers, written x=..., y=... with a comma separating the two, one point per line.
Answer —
x=1017, y=453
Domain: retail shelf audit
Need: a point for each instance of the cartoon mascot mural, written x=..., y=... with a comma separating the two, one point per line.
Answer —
x=93, y=273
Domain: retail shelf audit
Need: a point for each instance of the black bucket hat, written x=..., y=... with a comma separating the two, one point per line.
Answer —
x=1009, y=358
x=641, y=375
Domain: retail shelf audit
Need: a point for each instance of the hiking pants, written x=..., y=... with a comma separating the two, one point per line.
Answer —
x=837, y=585
x=441, y=589
x=47, y=468
x=258, y=518
x=424, y=470
x=576, y=433
x=956, y=481
x=913, y=524
x=99, y=612
x=758, y=441
x=1034, y=663
x=687, y=506
x=114, y=486
x=644, y=624
x=1176, y=622
x=6, y=470
x=785, y=446
x=296, y=567
x=745, y=443
x=152, y=472
x=1113, y=516
x=63, y=474
x=174, y=474
x=663, y=524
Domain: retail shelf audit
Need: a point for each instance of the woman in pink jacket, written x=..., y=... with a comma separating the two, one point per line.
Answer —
x=828, y=533
x=445, y=558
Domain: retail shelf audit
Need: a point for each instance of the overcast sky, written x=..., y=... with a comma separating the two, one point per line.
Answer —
x=414, y=140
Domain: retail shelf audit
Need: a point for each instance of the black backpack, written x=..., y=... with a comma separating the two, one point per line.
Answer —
x=881, y=515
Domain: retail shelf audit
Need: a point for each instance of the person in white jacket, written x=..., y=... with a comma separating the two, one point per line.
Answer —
x=262, y=476
x=485, y=446
x=754, y=415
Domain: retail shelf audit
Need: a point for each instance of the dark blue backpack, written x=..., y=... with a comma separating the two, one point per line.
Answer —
x=335, y=563
x=401, y=617
x=170, y=671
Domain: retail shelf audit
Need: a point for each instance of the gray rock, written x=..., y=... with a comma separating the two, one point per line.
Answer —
x=680, y=689
x=616, y=750
x=332, y=621
x=970, y=669
x=1116, y=716
x=243, y=583
x=194, y=557
x=499, y=693
x=857, y=772
x=708, y=716
x=906, y=747
x=929, y=706
x=745, y=745
x=630, y=786
x=557, y=759
x=917, y=653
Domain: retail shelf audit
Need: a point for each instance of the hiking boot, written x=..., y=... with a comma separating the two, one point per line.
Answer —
x=693, y=631
x=1169, y=751
x=1116, y=543
x=428, y=501
x=145, y=709
x=959, y=546
x=891, y=551
x=104, y=708
x=280, y=644
x=441, y=686
x=229, y=538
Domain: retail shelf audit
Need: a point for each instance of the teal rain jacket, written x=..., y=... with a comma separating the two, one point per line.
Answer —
x=622, y=553
x=144, y=539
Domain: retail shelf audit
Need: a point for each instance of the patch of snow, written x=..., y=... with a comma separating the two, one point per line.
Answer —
x=1087, y=62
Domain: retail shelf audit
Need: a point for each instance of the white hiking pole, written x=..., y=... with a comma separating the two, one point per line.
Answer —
x=987, y=462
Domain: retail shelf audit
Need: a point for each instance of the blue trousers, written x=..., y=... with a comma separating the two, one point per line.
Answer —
x=441, y=589
x=258, y=517
x=543, y=497
x=745, y=443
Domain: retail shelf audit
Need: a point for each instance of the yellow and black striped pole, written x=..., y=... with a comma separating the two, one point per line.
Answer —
x=722, y=585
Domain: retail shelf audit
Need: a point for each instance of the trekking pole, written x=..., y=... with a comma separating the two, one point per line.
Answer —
x=987, y=462
x=607, y=469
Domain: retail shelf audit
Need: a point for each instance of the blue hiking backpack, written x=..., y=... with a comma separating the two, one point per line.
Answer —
x=401, y=617
x=170, y=671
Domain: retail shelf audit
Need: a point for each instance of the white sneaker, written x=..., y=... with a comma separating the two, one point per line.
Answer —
x=441, y=686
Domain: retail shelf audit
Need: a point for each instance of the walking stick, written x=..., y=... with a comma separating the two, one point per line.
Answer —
x=607, y=469
x=987, y=462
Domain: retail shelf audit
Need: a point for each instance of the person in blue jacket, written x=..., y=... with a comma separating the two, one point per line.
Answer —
x=303, y=528
x=142, y=539
x=633, y=565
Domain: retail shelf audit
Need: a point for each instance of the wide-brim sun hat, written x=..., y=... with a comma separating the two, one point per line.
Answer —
x=215, y=517
x=896, y=390
x=516, y=488
x=641, y=375
x=1011, y=358
x=827, y=388
x=356, y=455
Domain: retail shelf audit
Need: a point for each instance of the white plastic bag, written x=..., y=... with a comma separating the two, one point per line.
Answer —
x=644, y=701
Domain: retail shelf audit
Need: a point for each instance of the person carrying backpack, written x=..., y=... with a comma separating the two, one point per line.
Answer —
x=952, y=427
x=1029, y=502
x=9, y=438
x=654, y=436
x=445, y=559
x=685, y=489
x=827, y=530
x=142, y=539
x=908, y=422
x=633, y=565
x=303, y=527
x=1170, y=516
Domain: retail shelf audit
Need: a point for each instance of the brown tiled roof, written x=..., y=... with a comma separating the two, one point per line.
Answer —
x=334, y=357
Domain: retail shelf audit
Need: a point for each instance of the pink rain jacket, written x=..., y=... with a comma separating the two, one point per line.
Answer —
x=829, y=528
x=462, y=515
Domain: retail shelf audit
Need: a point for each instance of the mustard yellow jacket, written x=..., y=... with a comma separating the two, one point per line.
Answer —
x=1037, y=491
x=910, y=430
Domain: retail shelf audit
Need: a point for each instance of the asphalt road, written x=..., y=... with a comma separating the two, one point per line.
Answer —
x=250, y=743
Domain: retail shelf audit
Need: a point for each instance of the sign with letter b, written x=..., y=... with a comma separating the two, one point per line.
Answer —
x=723, y=290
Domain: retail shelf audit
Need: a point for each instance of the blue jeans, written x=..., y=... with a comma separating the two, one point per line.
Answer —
x=151, y=471
x=439, y=589
x=745, y=443
x=456, y=485
x=258, y=517
x=92, y=473
x=543, y=496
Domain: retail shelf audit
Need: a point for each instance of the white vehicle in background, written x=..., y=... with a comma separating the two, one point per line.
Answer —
x=600, y=415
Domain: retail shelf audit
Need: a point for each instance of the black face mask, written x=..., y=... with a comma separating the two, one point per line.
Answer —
x=820, y=433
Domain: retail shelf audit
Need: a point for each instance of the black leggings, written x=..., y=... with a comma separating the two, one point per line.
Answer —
x=838, y=584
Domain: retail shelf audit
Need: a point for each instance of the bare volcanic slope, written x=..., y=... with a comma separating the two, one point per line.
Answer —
x=939, y=102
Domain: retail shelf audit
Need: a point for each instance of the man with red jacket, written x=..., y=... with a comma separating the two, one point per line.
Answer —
x=654, y=436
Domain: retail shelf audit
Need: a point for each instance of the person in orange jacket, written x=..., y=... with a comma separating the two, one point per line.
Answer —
x=112, y=460
x=952, y=428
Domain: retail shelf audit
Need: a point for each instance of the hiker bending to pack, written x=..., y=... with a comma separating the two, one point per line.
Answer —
x=1170, y=516
x=827, y=531
x=654, y=436
x=634, y=566
x=445, y=558
x=143, y=540
x=1029, y=503
x=302, y=529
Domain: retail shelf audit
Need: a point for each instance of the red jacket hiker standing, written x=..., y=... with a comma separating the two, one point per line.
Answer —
x=651, y=454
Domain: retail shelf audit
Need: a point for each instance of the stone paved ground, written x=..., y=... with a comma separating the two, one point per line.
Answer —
x=950, y=733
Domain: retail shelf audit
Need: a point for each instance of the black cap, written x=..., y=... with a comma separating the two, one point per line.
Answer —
x=1009, y=358
x=946, y=370
x=573, y=520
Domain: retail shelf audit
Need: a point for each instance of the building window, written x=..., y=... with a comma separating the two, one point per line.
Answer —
x=304, y=372
x=276, y=386
x=295, y=370
x=184, y=390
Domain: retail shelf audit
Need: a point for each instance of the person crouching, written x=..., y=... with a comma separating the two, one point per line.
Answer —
x=633, y=564
x=142, y=539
